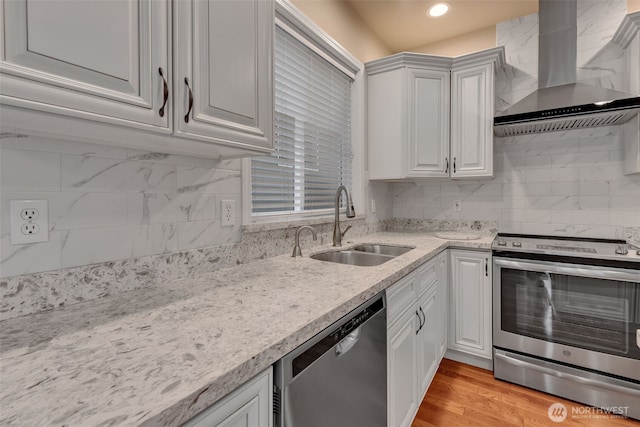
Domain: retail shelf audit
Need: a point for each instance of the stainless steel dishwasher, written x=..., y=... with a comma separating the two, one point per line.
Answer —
x=339, y=377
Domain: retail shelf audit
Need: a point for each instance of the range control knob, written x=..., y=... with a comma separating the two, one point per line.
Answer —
x=621, y=250
x=502, y=242
x=516, y=243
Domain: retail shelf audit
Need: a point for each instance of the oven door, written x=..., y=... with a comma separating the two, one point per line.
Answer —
x=570, y=313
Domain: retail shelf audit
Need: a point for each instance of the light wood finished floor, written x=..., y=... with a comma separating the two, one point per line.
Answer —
x=463, y=395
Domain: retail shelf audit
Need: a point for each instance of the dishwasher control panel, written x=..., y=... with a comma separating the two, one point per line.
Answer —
x=304, y=359
x=355, y=322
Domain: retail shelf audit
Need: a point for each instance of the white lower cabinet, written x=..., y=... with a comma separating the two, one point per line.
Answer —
x=251, y=405
x=428, y=339
x=470, y=303
x=414, y=336
x=402, y=352
x=442, y=300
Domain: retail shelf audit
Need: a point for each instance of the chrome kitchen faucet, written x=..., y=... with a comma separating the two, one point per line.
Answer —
x=337, y=234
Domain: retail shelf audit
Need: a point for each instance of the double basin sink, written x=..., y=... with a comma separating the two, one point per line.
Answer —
x=364, y=255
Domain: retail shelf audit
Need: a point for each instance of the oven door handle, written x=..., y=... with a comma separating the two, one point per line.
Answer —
x=570, y=269
x=565, y=375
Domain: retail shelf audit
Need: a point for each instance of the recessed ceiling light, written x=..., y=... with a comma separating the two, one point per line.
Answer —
x=439, y=9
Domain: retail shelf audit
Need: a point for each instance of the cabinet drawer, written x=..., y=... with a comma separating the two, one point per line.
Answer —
x=400, y=297
x=426, y=277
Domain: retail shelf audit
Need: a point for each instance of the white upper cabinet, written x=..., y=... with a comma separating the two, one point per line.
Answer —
x=184, y=76
x=472, y=98
x=99, y=60
x=224, y=74
x=428, y=122
x=426, y=113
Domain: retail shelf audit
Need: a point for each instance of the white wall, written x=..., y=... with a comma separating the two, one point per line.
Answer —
x=561, y=183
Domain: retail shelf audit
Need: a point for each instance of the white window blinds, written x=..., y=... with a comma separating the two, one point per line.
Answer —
x=312, y=134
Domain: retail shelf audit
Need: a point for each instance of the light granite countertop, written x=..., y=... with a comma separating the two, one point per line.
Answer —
x=159, y=356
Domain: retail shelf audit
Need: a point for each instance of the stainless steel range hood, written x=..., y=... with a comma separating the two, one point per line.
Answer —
x=560, y=103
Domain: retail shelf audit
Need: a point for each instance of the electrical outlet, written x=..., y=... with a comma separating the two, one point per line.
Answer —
x=30, y=228
x=457, y=205
x=29, y=221
x=373, y=205
x=228, y=212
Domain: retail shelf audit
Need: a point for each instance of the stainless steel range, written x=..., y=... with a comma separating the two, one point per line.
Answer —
x=566, y=318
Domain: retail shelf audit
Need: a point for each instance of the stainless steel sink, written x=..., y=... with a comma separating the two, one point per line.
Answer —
x=378, y=248
x=353, y=258
x=365, y=255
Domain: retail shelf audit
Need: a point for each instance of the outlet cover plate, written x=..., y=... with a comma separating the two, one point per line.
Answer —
x=227, y=213
x=21, y=221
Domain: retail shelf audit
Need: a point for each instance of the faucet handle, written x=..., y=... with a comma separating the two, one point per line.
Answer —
x=297, y=251
x=345, y=230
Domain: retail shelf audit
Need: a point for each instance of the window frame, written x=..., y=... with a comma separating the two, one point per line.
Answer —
x=295, y=23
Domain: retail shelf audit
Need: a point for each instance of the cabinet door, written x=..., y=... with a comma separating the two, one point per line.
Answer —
x=249, y=406
x=428, y=339
x=428, y=123
x=471, y=121
x=470, y=311
x=402, y=389
x=98, y=60
x=386, y=124
x=442, y=301
x=224, y=71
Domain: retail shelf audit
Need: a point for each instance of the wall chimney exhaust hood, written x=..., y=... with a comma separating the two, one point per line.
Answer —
x=560, y=103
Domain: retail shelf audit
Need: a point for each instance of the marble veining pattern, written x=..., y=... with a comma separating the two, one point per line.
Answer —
x=109, y=204
x=160, y=355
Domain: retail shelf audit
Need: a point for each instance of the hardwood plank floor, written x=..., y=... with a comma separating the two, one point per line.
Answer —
x=463, y=395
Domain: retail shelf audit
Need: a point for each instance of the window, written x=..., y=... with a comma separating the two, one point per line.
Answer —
x=312, y=134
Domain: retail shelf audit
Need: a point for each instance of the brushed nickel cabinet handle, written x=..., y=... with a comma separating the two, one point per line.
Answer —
x=454, y=165
x=446, y=168
x=166, y=92
x=186, y=116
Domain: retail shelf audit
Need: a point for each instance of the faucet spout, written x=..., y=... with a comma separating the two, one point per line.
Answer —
x=297, y=251
x=350, y=213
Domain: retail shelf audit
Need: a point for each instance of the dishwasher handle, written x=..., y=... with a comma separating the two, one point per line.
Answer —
x=347, y=342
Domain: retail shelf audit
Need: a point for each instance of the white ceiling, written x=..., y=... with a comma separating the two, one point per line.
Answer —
x=403, y=24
